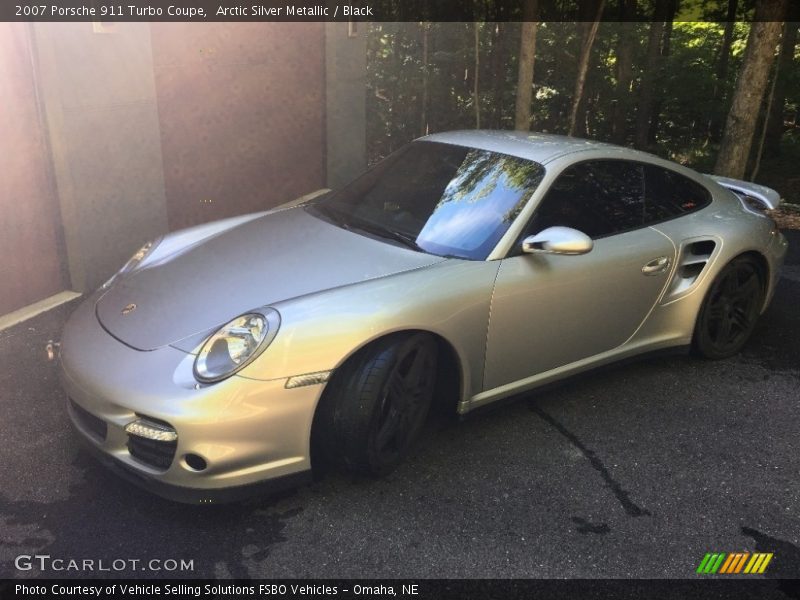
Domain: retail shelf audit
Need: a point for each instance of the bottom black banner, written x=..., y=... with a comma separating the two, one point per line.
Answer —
x=422, y=589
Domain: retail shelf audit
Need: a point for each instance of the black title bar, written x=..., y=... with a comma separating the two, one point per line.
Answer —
x=342, y=10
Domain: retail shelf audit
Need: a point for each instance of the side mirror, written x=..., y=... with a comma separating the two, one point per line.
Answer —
x=557, y=240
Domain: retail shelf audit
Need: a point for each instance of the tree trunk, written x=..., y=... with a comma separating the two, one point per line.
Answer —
x=497, y=70
x=666, y=42
x=624, y=72
x=577, y=116
x=527, y=55
x=774, y=132
x=652, y=67
x=423, y=119
x=475, y=79
x=720, y=82
x=394, y=124
x=750, y=85
x=770, y=99
x=583, y=66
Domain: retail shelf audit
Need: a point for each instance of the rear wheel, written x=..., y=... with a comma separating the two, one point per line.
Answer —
x=730, y=310
x=378, y=403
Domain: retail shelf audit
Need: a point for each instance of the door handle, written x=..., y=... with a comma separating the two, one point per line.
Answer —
x=656, y=266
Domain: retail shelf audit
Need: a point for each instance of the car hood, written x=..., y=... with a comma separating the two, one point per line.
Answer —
x=270, y=259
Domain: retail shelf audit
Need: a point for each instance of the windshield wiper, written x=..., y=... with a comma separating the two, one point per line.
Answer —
x=406, y=239
x=350, y=222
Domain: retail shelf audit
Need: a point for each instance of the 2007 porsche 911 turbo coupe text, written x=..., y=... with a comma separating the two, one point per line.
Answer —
x=464, y=268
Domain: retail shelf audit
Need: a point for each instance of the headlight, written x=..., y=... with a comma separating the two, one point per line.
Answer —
x=133, y=262
x=235, y=345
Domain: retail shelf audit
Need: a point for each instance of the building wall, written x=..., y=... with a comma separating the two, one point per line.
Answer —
x=154, y=127
x=345, y=69
x=99, y=94
x=241, y=113
x=30, y=244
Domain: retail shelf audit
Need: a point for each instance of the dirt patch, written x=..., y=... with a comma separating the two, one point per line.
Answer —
x=787, y=216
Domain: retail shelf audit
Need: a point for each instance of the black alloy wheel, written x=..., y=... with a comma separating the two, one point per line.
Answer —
x=379, y=402
x=730, y=310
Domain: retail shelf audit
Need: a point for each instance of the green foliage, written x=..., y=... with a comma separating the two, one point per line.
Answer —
x=415, y=87
x=690, y=102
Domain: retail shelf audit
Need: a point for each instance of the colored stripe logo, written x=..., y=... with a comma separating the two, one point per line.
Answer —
x=733, y=563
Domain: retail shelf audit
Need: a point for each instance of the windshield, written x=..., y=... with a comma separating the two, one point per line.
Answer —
x=436, y=198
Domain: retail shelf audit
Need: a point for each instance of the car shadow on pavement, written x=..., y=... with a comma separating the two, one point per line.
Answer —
x=118, y=521
x=786, y=562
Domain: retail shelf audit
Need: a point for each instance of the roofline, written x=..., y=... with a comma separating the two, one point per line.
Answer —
x=539, y=147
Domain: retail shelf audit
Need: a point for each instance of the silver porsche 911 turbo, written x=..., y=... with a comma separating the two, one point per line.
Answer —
x=462, y=269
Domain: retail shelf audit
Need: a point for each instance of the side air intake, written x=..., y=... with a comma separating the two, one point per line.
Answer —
x=693, y=258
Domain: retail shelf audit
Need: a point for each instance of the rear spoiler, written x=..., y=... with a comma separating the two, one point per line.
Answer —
x=748, y=191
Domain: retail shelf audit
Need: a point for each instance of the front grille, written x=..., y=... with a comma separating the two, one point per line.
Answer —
x=94, y=425
x=152, y=452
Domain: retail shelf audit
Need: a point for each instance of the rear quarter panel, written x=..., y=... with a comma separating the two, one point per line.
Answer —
x=735, y=231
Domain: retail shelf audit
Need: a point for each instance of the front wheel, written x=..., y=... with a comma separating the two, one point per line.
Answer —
x=378, y=403
x=730, y=310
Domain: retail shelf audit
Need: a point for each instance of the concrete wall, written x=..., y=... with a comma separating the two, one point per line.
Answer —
x=241, y=112
x=99, y=96
x=156, y=127
x=30, y=227
x=345, y=88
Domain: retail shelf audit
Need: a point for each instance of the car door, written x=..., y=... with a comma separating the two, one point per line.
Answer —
x=552, y=310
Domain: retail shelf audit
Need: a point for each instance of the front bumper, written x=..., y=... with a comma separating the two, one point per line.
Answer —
x=189, y=495
x=253, y=435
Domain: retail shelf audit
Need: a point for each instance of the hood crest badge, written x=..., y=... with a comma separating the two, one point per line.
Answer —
x=129, y=309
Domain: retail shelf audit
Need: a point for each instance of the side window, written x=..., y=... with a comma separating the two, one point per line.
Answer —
x=668, y=194
x=599, y=198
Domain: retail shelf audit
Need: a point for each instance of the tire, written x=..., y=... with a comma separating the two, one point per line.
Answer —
x=730, y=310
x=377, y=404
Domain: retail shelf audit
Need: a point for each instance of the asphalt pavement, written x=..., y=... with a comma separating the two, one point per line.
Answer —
x=637, y=471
